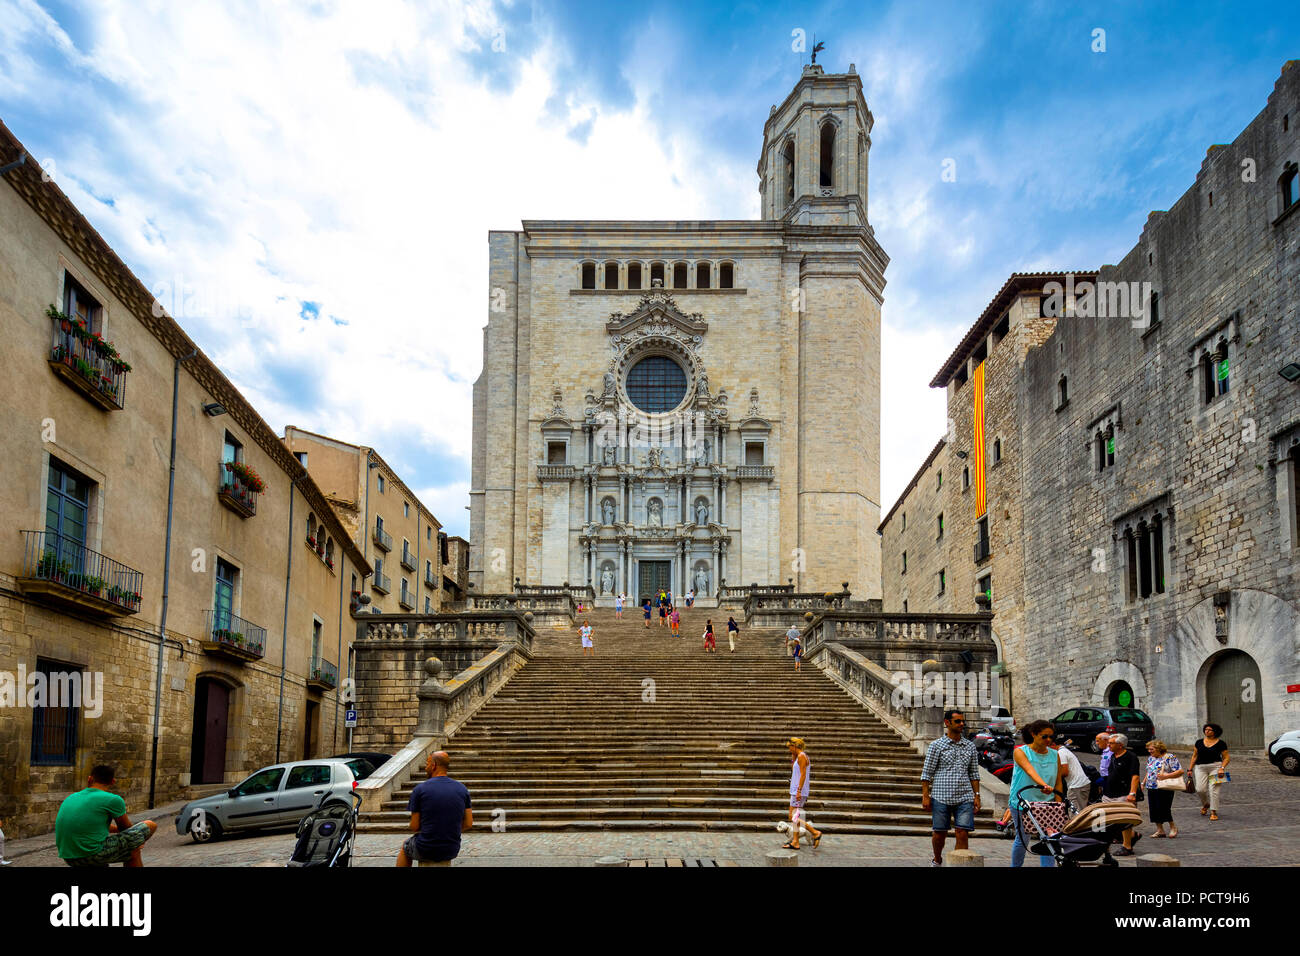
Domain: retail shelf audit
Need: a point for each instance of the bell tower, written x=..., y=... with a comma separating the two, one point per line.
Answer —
x=813, y=168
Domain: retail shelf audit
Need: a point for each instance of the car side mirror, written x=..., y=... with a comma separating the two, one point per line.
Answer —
x=233, y=792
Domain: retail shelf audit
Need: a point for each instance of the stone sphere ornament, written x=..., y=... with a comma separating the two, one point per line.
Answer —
x=807, y=615
x=931, y=666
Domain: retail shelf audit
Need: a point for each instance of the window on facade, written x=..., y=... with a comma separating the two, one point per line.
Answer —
x=827, y=155
x=223, y=598
x=753, y=453
x=982, y=548
x=1154, y=308
x=942, y=581
x=980, y=354
x=302, y=457
x=1062, y=392
x=997, y=450
x=656, y=272
x=904, y=520
x=589, y=275
x=381, y=483
x=1002, y=329
x=904, y=607
x=54, y=728
x=329, y=550
x=428, y=533
x=726, y=276
x=1109, y=446
x=379, y=522
x=1146, y=560
x=904, y=571
x=1289, y=185
x=787, y=170
x=940, y=525
x=702, y=275
x=965, y=478
x=231, y=449
x=679, y=275
x=940, y=479
x=656, y=384
x=959, y=378
x=611, y=275
x=428, y=606
x=311, y=528
x=634, y=275
x=555, y=453
x=1214, y=373
x=406, y=509
x=315, y=640
x=986, y=586
x=67, y=514
x=80, y=304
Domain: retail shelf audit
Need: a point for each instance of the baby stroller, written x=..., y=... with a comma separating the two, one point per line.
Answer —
x=325, y=835
x=1072, y=838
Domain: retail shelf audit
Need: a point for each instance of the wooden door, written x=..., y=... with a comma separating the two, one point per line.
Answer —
x=1232, y=697
x=211, y=725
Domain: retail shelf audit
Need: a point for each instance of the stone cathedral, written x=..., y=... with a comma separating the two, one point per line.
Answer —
x=692, y=405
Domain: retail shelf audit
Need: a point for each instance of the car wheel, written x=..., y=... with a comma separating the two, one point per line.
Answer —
x=204, y=829
x=1288, y=761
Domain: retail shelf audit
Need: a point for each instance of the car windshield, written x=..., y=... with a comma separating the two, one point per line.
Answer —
x=360, y=768
x=264, y=781
x=1130, y=716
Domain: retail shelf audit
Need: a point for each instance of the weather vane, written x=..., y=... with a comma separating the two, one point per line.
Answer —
x=817, y=48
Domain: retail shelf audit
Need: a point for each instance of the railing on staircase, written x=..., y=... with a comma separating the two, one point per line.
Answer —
x=772, y=607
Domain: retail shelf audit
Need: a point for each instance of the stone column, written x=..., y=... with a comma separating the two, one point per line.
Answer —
x=586, y=499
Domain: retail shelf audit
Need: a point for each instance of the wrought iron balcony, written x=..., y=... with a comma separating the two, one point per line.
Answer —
x=233, y=637
x=430, y=579
x=382, y=582
x=87, y=363
x=322, y=674
x=408, y=559
x=65, y=570
x=235, y=491
x=407, y=599
x=982, y=550
x=383, y=539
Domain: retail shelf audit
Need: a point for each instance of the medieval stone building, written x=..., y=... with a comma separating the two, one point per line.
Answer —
x=675, y=404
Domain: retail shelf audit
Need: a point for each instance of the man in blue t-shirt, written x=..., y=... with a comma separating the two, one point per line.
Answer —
x=440, y=813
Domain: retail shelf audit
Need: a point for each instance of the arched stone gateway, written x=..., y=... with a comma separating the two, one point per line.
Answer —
x=1232, y=698
x=1116, y=678
x=1256, y=623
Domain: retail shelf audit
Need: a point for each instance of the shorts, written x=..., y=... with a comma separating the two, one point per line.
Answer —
x=117, y=847
x=798, y=801
x=957, y=816
x=413, y=852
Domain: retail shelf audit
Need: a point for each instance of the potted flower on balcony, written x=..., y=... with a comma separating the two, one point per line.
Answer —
x=311, y=542
x=329, y=563
x=250, y=479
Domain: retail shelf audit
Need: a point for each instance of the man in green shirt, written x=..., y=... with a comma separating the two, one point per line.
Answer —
x=92, y=828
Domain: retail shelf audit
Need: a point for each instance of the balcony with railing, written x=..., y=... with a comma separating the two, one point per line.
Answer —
x=407, y=598
x=755, y=472
x=322, y=675
x=86, y=362
x=982, y=551
x=408, y=558
x=382, y=582
x=430, y=579
x=227, y=635
x=383, y=539
x=65, y=571
x=238, y=487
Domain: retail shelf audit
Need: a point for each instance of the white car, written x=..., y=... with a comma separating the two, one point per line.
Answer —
x=1284, y=753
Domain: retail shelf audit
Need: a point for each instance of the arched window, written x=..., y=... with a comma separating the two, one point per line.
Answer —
x=1110, y=445
x=311, y=529
x=1062, y=392
x=1221, y=369
x=787, y=170
x=656, y=272
x=997, y=450
x=702, y=275
x=611, y=275
x=827, y=156
x=589, y=275
x=679, y=275
x=329, y=551
x=726, y=276
x=634, y=275
x=1144, y=559
x=965, y=478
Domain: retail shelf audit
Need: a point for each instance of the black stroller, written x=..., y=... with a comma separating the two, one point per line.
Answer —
x=1072, y=838
x=326, y=835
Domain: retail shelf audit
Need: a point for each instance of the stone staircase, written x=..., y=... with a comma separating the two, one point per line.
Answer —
x=654, y=733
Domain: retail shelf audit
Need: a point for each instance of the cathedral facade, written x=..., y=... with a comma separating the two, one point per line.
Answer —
x=692, y=405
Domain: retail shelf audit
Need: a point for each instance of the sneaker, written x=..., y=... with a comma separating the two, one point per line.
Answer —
x=936, y=863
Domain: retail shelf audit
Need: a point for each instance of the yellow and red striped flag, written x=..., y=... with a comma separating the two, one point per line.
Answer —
x=981, y=505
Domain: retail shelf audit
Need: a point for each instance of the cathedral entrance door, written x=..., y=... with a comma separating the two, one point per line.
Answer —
x=653, y=577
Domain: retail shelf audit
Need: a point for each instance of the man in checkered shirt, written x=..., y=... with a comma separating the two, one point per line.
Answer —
x=950, y=781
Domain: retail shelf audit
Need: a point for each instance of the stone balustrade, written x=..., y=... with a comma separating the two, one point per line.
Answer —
x=780, y=607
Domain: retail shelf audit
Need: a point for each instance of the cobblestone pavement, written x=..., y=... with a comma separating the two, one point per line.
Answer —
x=1259, y=826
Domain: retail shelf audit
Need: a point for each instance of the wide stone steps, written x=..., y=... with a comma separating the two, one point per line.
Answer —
x=573, y=743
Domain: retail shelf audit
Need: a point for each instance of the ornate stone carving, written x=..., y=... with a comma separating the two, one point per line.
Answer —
x=753, y=403
x=557, y=403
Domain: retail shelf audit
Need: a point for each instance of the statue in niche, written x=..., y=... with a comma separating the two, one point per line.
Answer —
x=701, y=581
x=609, y=385
x=607, y=511
x=607, y=581
x=701, y=512
x=708, y=449
x=704, y=384
x=654, y=458
x=655, y=513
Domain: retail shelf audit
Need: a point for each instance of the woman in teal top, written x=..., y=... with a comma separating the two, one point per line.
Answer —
x=1036, y=763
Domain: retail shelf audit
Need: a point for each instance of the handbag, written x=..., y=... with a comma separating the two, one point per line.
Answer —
x=1172, y=783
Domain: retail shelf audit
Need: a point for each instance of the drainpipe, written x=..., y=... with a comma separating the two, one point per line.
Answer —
x=284, y=627
x=167, y=568
x=338, y=657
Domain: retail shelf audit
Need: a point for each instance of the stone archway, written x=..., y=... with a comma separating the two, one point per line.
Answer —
x=1113, y=679
x=1231, y=680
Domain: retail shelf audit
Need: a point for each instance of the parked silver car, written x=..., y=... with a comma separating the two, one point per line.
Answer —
x=279, y=795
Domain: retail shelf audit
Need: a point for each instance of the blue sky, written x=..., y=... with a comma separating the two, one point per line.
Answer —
x=308, y=188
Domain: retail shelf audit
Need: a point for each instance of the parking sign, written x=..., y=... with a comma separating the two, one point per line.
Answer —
x=349, y=718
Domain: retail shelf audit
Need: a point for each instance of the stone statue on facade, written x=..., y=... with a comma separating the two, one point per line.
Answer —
x=701, y=581
x=607, y=511
x=701, y=512
x=607, y=581
x=655, y=513
x=609, y=386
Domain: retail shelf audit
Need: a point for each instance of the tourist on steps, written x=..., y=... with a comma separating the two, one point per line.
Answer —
x=690, y=598
x=585, y=631
x=800, y=780
x=440, y=813
x=950, y=780
x=646, y=607
x=676, y=620
x=618, y=606
x=797, y=652
x=709, y=644
x=732, y=631
x=791, y=636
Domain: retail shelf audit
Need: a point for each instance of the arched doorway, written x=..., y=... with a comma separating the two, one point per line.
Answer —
x=1119, y=694
x=211, y=727
x=1232, y=699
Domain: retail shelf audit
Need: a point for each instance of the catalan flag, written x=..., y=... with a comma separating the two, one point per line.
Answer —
x=981, y=505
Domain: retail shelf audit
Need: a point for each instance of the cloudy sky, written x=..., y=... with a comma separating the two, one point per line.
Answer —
x=308, y=186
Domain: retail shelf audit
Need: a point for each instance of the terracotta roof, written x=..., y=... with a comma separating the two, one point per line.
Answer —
x=912, y=484
x=67, y=222
x=1018, y=282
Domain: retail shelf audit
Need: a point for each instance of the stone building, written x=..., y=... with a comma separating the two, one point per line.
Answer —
x=250, y=619
x=679, y=403
x=1160, y=430
x=398, y=535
